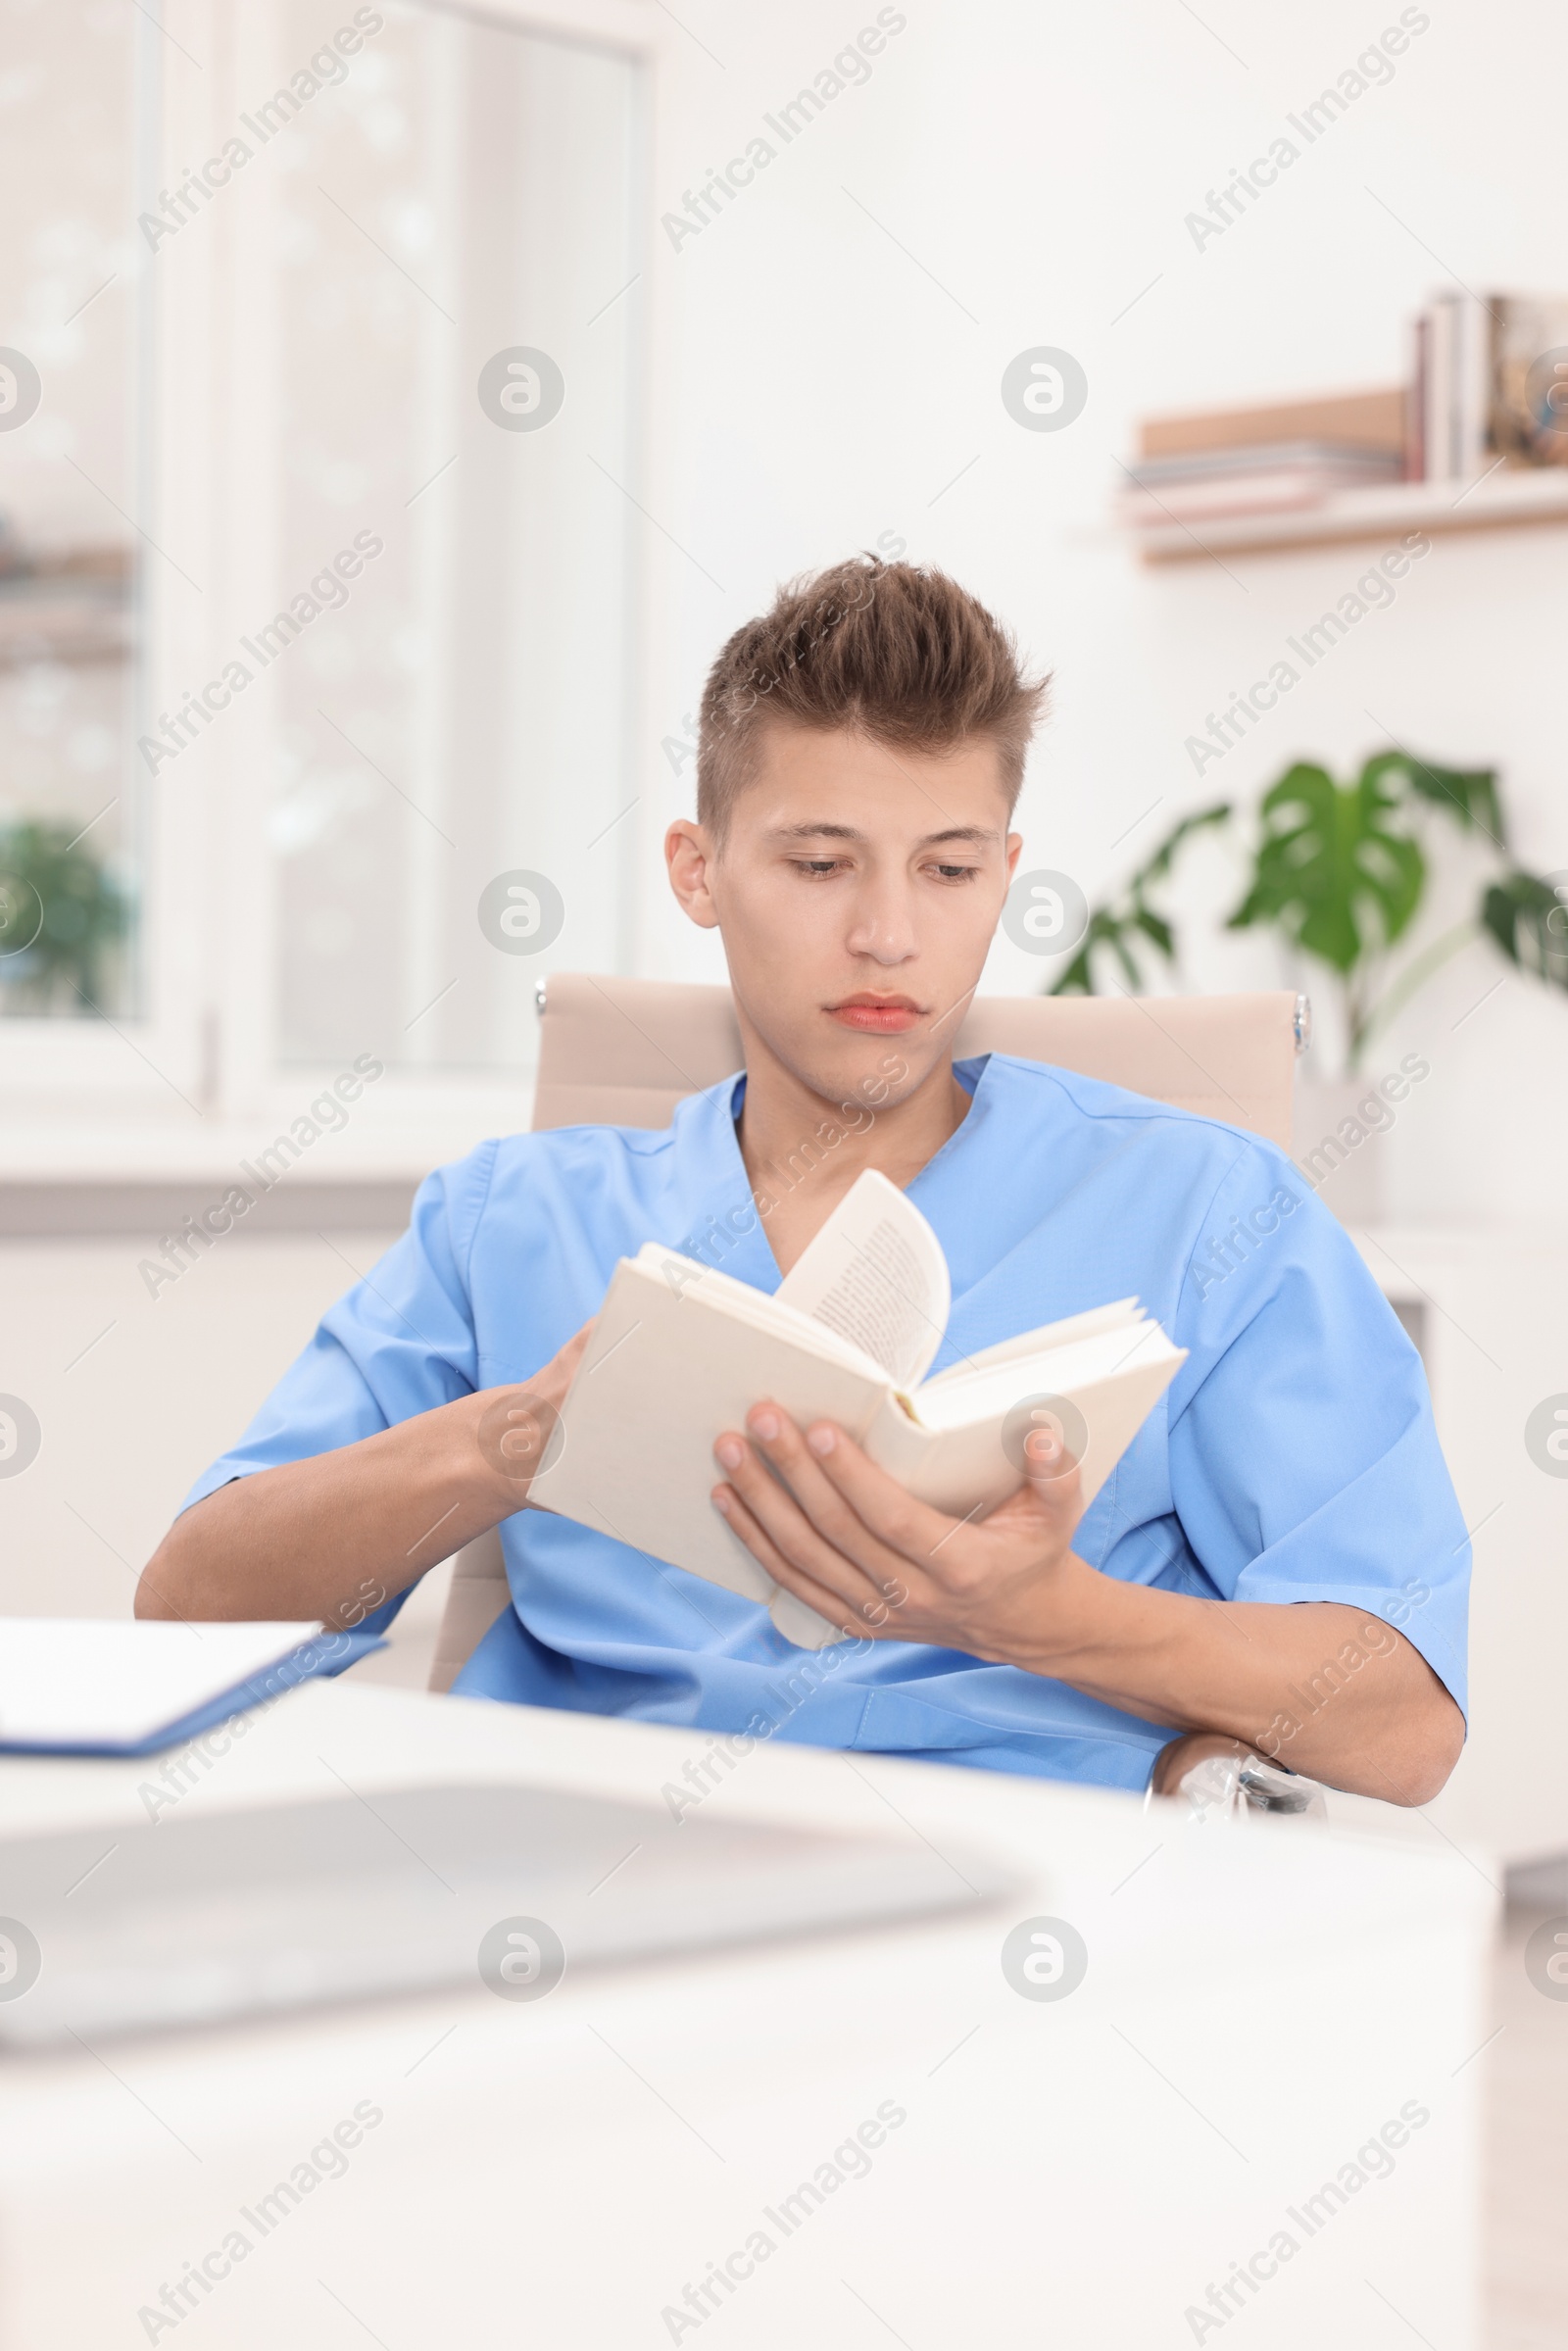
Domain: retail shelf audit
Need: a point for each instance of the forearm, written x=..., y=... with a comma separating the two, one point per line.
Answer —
x=337, y=1536
x=1326, y=1688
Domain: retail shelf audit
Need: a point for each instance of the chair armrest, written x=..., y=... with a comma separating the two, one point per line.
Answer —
x=479, y=1593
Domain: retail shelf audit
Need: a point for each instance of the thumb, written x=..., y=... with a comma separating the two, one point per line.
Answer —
x=571, y=1355
x=1051, y=1477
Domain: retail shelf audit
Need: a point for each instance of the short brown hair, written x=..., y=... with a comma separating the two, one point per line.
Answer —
x=897, y=651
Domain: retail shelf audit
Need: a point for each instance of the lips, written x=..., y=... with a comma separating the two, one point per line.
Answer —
x=876, y=1015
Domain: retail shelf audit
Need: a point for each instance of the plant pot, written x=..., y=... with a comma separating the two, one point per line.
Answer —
x=1341, y=1128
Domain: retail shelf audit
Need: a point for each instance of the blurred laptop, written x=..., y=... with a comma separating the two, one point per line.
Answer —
x=252, y=1912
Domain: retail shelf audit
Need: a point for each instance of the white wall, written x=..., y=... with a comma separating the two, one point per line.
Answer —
x=137, y=1395
x=821, y=387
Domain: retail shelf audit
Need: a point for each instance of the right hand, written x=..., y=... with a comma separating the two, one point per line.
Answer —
x=514, y=1425
x=335, y=1534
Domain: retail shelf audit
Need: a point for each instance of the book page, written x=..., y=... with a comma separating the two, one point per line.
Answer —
x=875, y=1273
x=1125, y=1313
x=991, y=1388
x=721, y=1294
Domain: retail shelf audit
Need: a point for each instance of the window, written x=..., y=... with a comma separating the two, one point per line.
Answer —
x=464, y=714
x=358, y=406
x=72, y=384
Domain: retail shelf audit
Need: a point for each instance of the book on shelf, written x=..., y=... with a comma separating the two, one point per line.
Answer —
x=1415, y=400
x=1265, y=478
x=1337, y=420
x=1490, y=383
x=1472, y=364
x=681, y=1351
x=1452, y=363
x=1437, y=393
x=1279, y=458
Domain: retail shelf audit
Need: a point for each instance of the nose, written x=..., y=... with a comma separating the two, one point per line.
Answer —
x=882, y=922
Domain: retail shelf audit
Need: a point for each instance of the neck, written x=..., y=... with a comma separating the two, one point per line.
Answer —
x=803, y=1148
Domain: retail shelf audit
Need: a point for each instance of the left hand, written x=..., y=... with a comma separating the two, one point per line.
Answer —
x=842, y=1536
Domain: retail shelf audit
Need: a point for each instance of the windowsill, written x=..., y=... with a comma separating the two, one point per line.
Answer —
x=63, y=1173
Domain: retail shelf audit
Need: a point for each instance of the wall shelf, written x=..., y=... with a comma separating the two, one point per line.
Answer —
x=1499, y=500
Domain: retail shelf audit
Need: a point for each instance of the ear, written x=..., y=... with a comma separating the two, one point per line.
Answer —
x=1014, y=845
x=690, y=855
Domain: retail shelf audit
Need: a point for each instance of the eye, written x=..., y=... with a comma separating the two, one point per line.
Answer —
x=816, y=868
x=957, y=873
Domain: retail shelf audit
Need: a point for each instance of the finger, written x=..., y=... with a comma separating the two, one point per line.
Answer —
x=1049, y=1507
x=792, y=1579
x=1048, y=1455
x=780, y=1515
x=571, y=1355
x=910, y=1532
x=1052, y=1476
x=835, y=1518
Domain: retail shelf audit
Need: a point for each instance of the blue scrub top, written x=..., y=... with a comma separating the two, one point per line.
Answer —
x=1293, y=1459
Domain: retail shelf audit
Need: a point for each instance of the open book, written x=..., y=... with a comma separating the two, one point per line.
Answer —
x=680, y=1352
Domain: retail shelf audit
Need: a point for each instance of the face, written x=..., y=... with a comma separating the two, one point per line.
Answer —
x=856, y=889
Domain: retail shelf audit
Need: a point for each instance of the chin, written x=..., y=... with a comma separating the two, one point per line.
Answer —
x=854, y=1068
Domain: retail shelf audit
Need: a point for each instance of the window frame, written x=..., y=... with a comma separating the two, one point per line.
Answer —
x=195, y=1072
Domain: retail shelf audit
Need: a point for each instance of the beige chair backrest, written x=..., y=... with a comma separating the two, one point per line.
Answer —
x=623, y=1052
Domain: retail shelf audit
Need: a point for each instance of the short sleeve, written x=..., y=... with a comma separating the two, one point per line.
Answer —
x=1305, y=1460
x=399, y=1343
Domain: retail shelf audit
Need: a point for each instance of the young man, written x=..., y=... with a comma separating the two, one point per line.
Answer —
x=1279, y=1558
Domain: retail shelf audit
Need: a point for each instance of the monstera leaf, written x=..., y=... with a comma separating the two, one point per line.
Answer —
x=1332, y=870
x=1469, y=795
x=1527, y=918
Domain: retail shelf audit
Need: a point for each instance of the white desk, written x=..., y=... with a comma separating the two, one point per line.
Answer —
x=1258, y=2003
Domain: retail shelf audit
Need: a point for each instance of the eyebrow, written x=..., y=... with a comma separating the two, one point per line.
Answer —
x=978, y=833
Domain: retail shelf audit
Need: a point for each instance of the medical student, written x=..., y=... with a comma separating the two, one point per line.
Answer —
x=1279, y=1558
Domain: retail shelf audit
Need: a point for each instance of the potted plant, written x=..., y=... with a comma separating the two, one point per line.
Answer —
x=1340, y=872
x=60, y=914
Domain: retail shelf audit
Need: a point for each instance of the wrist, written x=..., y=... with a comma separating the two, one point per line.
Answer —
x=1071, y=1616
x=501, y=1439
